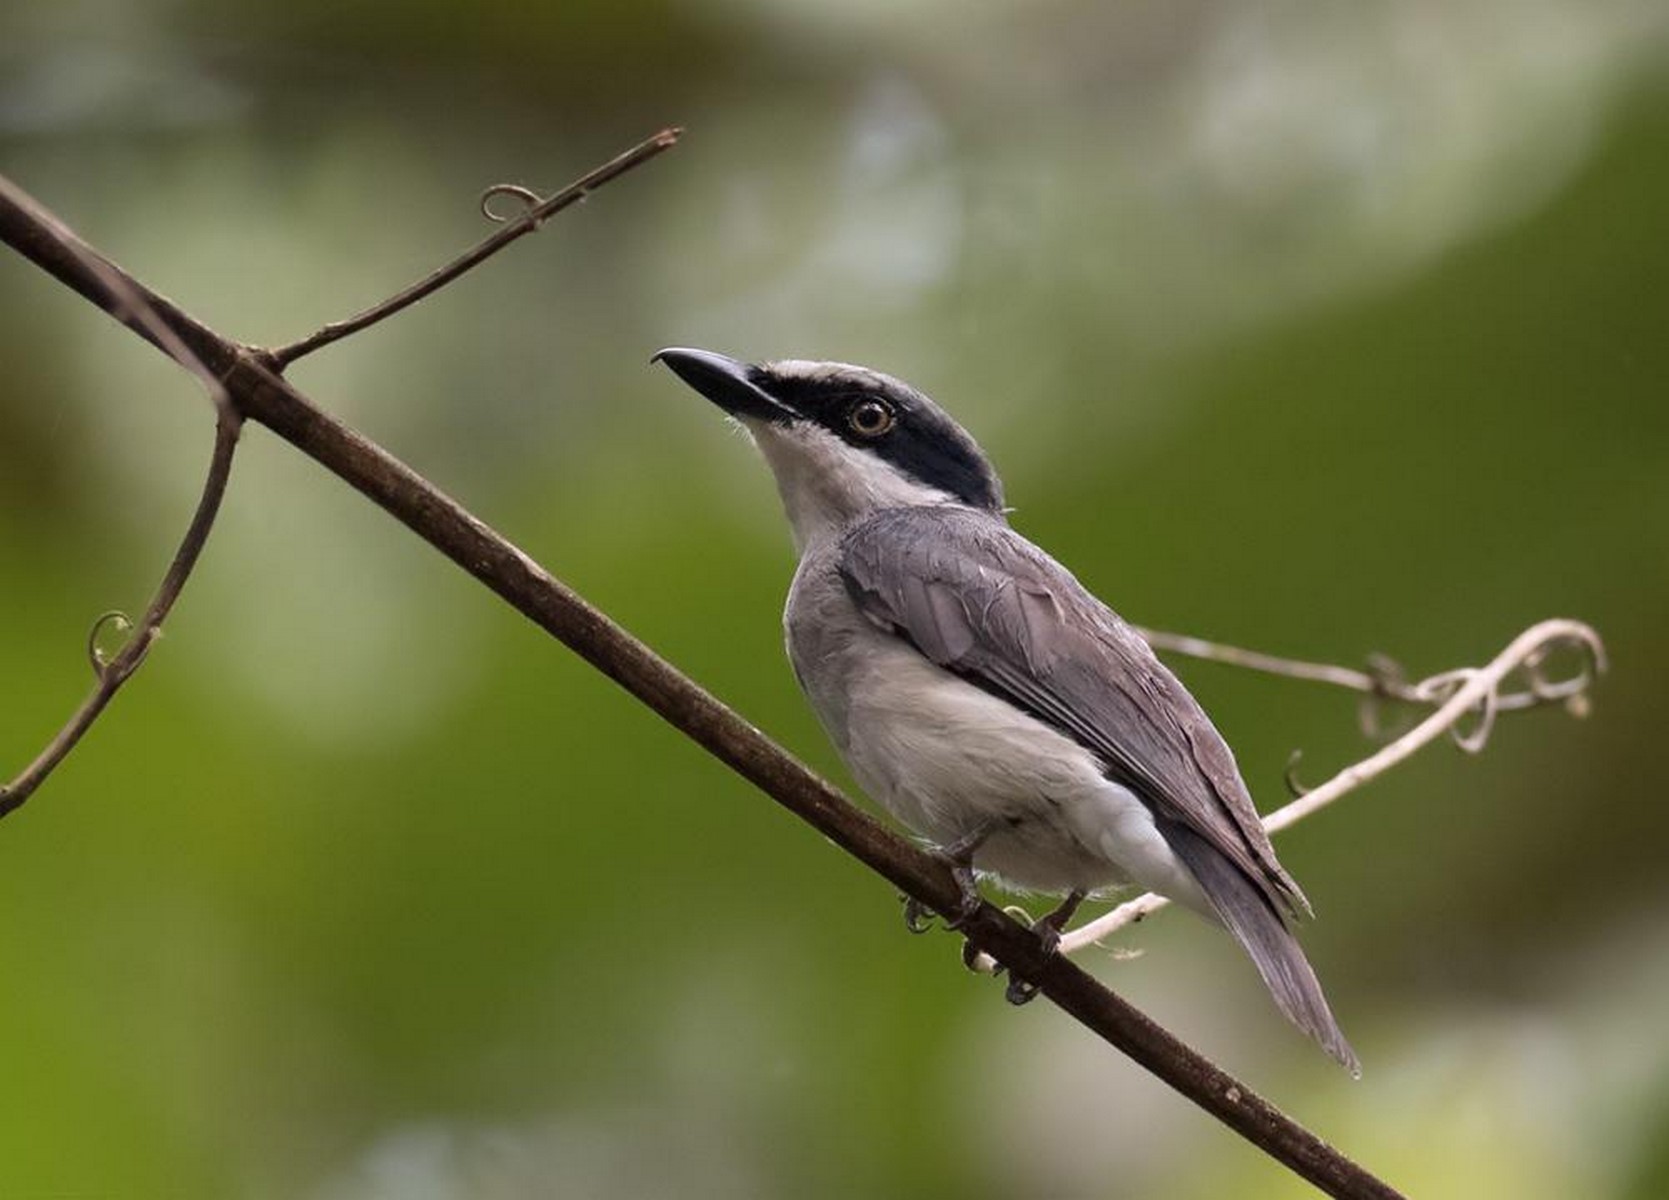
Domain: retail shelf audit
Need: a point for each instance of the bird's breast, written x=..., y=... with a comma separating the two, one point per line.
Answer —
x=939, y=753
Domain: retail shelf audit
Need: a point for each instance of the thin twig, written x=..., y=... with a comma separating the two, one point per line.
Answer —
x=1459, y=696
x=536, y=213
x=1384, y=681
x=112, y=673
x=128, y=302
x=263, y=395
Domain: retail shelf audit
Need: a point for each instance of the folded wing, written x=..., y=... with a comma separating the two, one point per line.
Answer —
x=979, y=600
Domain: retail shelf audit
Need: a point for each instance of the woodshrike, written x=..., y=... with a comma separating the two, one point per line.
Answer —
x=978, y=692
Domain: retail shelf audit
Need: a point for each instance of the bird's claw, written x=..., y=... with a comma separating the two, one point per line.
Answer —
x=918, y=914
x=1048, y=930
x=918, y=917
x=1020, y=992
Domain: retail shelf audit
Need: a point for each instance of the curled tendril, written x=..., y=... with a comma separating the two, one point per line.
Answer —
x=1472, y=740
x=1368, y=713
x=1389, y=676
x=529, y=199
x=1294, y=788
x=1542, y=688
x=1473, y=695
x=1545, y=688
x=1535, y=670
x=95, y=656
x=1437, y=689
x=1389, y=682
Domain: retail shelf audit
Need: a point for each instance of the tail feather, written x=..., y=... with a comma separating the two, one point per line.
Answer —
x=1258, y=927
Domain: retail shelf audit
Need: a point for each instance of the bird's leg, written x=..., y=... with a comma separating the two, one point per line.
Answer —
x=918, y=917
x=961, y=855
x=1048, y=929
x=1050, y=924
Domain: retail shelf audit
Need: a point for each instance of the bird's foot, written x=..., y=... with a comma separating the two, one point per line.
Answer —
x=1020, y=992
x=1048, y=929
x=918, y=915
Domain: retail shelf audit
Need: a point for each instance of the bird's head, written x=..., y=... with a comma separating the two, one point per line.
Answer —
x=844, y=441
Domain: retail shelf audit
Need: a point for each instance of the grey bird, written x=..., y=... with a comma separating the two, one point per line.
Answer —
x=978, y=692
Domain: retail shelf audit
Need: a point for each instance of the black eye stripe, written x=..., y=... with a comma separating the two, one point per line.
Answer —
x=917, y=438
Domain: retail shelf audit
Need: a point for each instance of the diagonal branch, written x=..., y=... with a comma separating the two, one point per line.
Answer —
x=261, y=394
x=529, y=222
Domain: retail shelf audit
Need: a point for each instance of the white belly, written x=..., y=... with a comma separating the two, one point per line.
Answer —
x=947, y=759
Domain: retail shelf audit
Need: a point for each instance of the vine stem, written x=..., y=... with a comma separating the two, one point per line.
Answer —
x=1458, y=694
x=536, y=213
x=129, y=302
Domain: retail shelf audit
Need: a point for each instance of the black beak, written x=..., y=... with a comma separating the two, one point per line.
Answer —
x=727, y=383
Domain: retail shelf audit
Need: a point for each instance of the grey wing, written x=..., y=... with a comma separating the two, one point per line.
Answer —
x=979, y=600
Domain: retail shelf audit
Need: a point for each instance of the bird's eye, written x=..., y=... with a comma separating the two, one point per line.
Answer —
x=870, y=418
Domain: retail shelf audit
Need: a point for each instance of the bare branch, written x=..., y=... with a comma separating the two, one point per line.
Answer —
x=263, y=395
x=1384, y=680
x=113, y=672
x=537, y=211
x=1460, y=695
x=127, y=302
x=124, y=299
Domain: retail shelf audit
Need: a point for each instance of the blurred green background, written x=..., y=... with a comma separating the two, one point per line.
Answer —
x=1321, y=329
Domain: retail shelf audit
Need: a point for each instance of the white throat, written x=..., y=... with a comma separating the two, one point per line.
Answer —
x=827, y=484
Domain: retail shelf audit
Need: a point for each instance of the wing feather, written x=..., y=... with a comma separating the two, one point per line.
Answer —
x=980, y=600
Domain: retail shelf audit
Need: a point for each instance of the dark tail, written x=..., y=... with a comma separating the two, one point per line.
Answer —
x=1250, y=916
